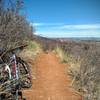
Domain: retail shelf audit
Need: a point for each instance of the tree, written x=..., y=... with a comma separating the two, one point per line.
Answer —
x=13, y=26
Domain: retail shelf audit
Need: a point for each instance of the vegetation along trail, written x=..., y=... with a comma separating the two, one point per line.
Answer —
x=51, y=82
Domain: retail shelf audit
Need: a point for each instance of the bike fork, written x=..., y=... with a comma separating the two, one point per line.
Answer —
x=16, y=74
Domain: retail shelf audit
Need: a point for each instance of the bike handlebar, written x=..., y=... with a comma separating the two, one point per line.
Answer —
x=14, y=50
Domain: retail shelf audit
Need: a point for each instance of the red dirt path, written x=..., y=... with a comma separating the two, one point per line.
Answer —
x=51, y=82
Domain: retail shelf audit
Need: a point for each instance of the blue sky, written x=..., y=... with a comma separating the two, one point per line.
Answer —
x=64, y=18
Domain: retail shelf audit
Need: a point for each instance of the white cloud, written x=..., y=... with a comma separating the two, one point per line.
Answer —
x=64, y=30
x=46, y=24
x=86, y=33
x=60, y=26
x=37, y=24
x=81, y=27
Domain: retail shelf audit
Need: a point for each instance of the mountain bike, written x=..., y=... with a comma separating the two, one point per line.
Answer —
x=15, y=70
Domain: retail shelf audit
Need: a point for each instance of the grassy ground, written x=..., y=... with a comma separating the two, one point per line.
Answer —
x=31, y=50
x=64, y=56
x=74, y=69
x=84, y=72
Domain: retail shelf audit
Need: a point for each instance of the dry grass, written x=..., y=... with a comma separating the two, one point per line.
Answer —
x=63, y=55
x=74, y=69
x=31, y=51
x=85, y=72
x=86, y=76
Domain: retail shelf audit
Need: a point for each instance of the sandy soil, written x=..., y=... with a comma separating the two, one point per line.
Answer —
x=51, y=82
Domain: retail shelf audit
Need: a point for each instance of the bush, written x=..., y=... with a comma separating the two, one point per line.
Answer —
x=32, y=45
x=87, y=76
x=31, y=51
x=90, y=75
x=63, y=55
x=14, y=28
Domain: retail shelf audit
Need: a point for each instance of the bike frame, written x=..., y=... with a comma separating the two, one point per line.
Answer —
x=15, y=72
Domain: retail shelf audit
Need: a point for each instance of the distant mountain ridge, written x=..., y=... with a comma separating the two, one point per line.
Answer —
x=81, y=38
x=69, y=38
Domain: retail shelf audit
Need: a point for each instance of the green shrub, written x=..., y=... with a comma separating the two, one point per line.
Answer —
x=31, y=50
x=32, y=45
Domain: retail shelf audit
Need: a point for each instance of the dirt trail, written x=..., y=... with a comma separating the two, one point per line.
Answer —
x=51, y=82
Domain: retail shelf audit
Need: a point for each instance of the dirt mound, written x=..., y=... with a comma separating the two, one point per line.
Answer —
x=51, y=82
